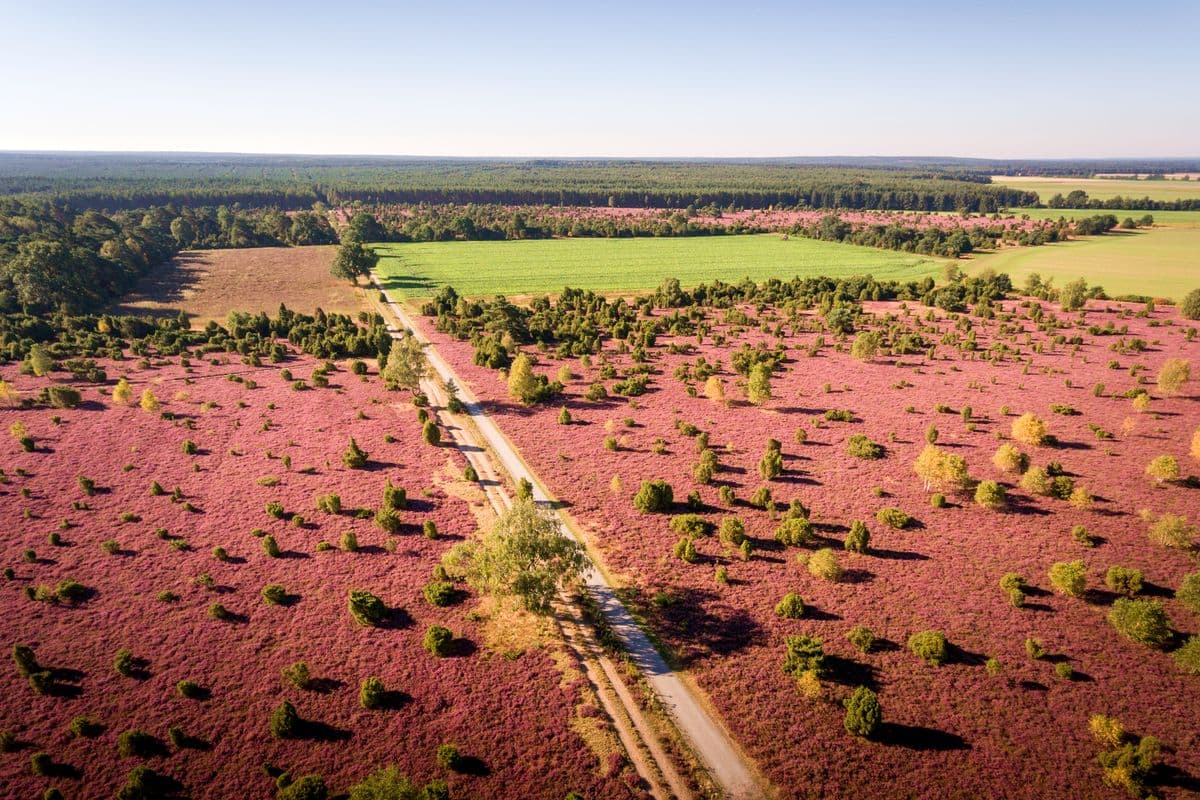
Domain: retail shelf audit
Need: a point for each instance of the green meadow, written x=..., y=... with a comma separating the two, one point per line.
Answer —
x=1162, y=262
x=1103, y=188
x=614, y=265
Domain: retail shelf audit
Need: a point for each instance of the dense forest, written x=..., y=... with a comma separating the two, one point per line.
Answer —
x=122, y=182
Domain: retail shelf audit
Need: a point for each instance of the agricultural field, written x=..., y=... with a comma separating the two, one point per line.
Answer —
x=1160, y=262
x=169, y=560
x=1014, y=574
x=478, y=269
x=207, y=284
x=1171, y=219
x=1102, y=188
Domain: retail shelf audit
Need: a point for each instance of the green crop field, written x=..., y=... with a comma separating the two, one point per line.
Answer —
x=1173, y=218
x=1164, y=262
x=1103, y=188
x=614, y=265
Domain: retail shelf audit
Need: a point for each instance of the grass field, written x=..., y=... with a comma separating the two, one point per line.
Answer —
x=1164, y=262
x=613, y=265
x=1172, y=218
x=1103, y=188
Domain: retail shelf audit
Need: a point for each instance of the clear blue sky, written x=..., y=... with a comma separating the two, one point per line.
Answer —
x=1004, y=79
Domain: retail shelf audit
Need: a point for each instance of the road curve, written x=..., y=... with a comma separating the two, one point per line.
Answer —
x=703, y=732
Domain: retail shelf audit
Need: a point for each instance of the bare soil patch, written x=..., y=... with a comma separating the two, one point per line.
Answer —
x=207, y=283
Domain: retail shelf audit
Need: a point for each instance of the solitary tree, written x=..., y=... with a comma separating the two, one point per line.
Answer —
x=352, y=260
x=525, y=556
x=406, y=366
x=522, y=385
x=758, y=388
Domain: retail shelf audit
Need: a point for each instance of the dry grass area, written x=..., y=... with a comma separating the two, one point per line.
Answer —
x=208, y=284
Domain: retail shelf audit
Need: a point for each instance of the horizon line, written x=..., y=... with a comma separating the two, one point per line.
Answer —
x=579, y=157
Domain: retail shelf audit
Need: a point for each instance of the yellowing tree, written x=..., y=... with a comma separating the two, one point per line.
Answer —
x=1196, y=445
x=521, y=383
x=122, y=394
x=1030, y=429
x=939, y=469
x=714, y=389
x=148, y=402
x=1173, y=375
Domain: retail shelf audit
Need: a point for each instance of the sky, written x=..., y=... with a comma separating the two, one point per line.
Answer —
x=1012, y=79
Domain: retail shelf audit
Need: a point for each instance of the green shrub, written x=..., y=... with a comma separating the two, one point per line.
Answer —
x=937, y=500
x=1064, y=670
x=990, y=495
x=794, y=532
x=306, y=787
x=790, y=607
x=440, y=593
x=1123, y=580
x=1129, y=765
x=824, y=564
x=448, y=757
x=1188, y=592
x=863, y=713
x=273, y=594
x=354, y=457
x=1141, y=621
x=805, y=654
x=762, y=498
x=731, y=532
x=654, y=497
x=297, y=675
x=930, y=646
x=861, y=637
x=86, y=728
x=388, y=520
x=1014, y=586
x=190, y=689
x=219, y=612
x=1035, y=649
x=690, y=525
x=285, y=723
x=62, y=396
x=893, y=517
x=860, y=446
x=1187, y=657
x=858, y=540
x=1069, y=578
x=438, y=640
x=372, y=694
x=41, y=764
x=189, y=447
x=349, y=542
x=270, y=547
x=394, y=497
x=685, y=550
x=124, y=663
x=329, y=503
x=366, y=608
x=138, y=743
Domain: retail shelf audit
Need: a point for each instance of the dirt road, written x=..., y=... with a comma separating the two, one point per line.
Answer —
x=703, y=732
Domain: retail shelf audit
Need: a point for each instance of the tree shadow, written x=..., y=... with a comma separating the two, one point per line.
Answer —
x=324, y=685
x=897, y=555
x=471, y=765
x=848, y=672
x=915, y=737
x=317, y=731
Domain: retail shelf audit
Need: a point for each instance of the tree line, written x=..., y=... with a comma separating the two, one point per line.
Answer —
x=116, y=183
x=1079, y=199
